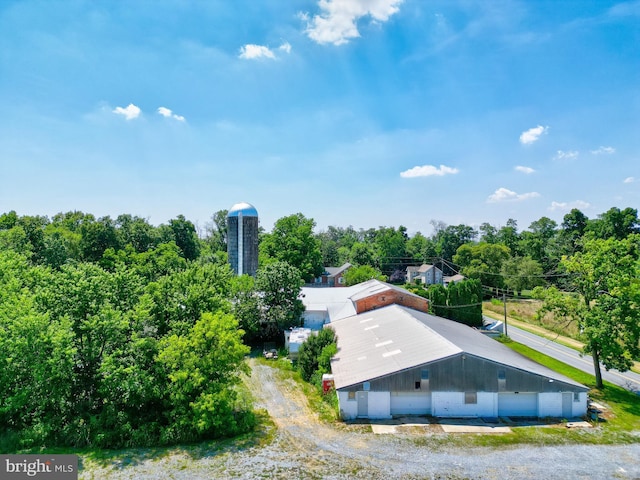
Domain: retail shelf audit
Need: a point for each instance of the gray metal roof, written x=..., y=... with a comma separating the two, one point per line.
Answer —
x=333, y=271
x=339, y=301
x=245, y=208
x=392, y=339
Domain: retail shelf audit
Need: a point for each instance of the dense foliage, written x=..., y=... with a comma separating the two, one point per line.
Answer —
x=460, y=301
x=115, y=333
x=314, y=355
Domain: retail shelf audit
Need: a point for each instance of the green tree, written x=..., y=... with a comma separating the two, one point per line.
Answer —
x=179, y=299
x=279, y=285
x=36, y=358
x=217, y=231
x=421, y=249
x=482, y=261
x=247, y=306
x=315, y=354
x=573, y=227
x=508, y=235
x=292, y=241
x=615, y=223
x=461, y=302
x=137, y=232
x=536, y=243
x=202, y=367
x=389, y=247
x=362, y=273
x=488, y=233
x=605, y=274
x=96, y=237
x=451, y=238
x=185, y=236
x=8, y=220
x=362, y=254
x=520, y=273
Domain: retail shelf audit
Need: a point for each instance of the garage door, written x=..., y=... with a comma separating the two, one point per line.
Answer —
x=410, y=403
x=518, y=404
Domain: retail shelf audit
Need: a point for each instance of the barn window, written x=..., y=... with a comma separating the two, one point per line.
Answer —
x=351, y=396
x=366, y=386
x=424, y=374
x=502, y=375
x=417, y=385
x=576, y=396
x=470, y=398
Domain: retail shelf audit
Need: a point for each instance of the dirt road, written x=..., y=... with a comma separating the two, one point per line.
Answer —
x=305, y=448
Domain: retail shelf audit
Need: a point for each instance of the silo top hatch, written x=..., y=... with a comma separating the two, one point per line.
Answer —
x=245, y=208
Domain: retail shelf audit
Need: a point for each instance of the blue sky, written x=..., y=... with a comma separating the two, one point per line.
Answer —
x=353, y=112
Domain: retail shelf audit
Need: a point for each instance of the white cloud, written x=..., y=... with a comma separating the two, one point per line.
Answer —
x=428, y=171
x=629, y=180
x=167, y=113
x=526, y=170
x=505, y=195
x=251, y=52
x=129, y=112
x=562, y=155
x=604, y=150
x=532, y=135
x=567, y=206
x=337, y=22
x=285, y=47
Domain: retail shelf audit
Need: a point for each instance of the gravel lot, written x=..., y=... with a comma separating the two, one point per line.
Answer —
x=304, y=448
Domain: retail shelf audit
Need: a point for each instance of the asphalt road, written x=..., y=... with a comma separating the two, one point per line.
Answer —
x=628, y=380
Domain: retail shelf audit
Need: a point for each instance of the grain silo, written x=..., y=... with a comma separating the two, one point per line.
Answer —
x=242, y=239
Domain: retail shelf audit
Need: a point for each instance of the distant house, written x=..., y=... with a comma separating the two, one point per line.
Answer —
x=325, y=305
x=333, y=276
x=399, y=361
x=452, y=279
x=425, y=274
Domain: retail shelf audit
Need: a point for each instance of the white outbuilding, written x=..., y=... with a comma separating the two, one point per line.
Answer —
x=399, y=361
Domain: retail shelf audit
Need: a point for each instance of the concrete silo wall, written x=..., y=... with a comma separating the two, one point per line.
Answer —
x=242, y=242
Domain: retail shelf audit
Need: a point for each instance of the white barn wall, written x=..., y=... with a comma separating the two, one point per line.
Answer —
x=410, y=403
x=348, y=408
x=379, y=404
x=580, y=407
x=550, y=404
x=451, y=404
x=314, y=319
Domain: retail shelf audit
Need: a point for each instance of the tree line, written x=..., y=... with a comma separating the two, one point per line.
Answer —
x=115, y=332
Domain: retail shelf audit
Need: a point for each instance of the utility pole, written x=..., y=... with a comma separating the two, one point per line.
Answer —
x=504, y=302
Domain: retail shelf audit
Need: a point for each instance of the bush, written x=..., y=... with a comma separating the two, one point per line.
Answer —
x=315, y=354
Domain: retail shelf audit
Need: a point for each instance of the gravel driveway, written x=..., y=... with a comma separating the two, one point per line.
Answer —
x=305, y=448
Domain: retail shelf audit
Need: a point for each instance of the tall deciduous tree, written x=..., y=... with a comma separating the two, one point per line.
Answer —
x=615, y=223
x=185, y=236
x=508, y=235
x=535, y=242
x=279, y=285
x=605, y=274
x=482, y=261
x=451, y=238
x=292, y=241
x=217, y=231
x=520, y=273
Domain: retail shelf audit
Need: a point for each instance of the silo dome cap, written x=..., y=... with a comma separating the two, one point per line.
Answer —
x=245, y=208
